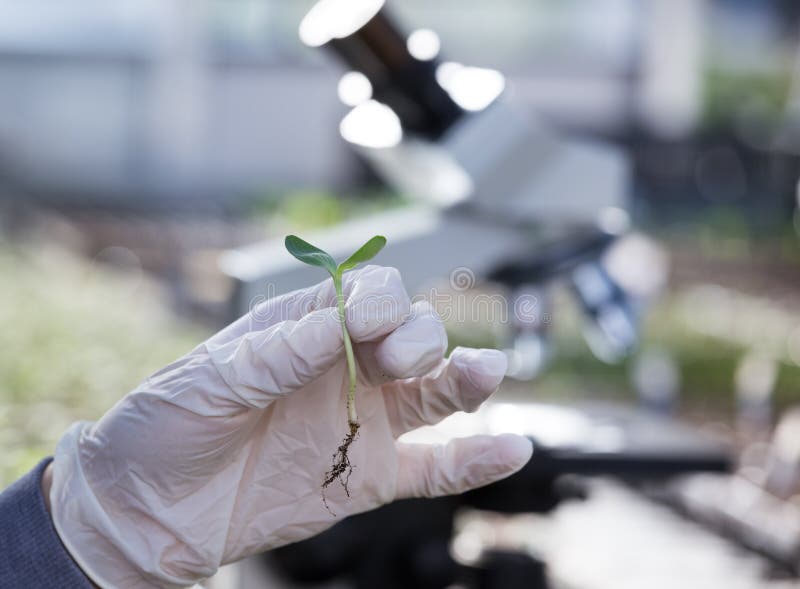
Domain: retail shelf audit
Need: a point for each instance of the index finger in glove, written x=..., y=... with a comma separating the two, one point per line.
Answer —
x=432, y=470
x=262, y=366
x=376, y=302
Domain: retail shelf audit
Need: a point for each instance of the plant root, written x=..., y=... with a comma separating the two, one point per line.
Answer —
x=341, y=469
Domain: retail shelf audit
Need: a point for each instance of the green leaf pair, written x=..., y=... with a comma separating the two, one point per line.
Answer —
x=312, y=255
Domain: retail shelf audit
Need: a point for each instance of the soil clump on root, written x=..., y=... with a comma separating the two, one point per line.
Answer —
x=341, y=468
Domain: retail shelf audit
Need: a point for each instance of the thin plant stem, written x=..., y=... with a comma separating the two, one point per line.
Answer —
x=352, y=415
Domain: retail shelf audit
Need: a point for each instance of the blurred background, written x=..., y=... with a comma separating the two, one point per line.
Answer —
x=152, y=154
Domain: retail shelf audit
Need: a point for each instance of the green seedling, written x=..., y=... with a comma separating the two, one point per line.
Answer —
x=308, y=254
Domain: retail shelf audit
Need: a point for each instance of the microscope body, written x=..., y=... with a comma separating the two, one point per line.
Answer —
x=492, y=186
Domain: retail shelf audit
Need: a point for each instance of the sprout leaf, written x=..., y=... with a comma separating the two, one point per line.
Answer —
x=309, y=254
x=365, y=253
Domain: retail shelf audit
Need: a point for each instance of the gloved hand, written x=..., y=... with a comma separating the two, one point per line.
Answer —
x=222, y=454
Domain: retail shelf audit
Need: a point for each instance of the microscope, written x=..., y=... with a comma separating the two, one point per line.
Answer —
x=526, y=209
x=493, y=188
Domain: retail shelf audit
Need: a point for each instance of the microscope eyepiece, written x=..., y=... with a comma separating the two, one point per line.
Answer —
x=365, y=38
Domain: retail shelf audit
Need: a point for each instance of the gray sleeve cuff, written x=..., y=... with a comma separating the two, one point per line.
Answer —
x=31, y=553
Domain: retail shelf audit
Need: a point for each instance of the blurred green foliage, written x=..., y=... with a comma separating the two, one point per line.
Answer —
x=309, y=210
x=75, y=337
x=312, y=210
x=725, y=232
x=728, y=92
x=707, y=364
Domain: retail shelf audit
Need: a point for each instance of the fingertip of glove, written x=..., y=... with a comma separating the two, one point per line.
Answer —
x=513, y=450
x=484, y=368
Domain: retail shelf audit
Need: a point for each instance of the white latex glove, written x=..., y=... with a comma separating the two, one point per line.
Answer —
x=221, y=454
